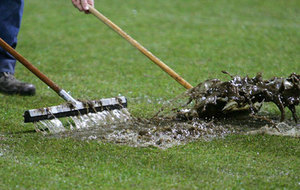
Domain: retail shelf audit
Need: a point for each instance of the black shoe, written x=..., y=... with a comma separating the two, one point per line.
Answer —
x=10, y=85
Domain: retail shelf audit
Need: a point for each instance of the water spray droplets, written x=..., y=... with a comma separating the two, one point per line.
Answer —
x=84, y=121
x=53, y=125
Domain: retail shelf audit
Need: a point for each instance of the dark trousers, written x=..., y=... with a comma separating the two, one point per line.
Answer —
x=11, y=12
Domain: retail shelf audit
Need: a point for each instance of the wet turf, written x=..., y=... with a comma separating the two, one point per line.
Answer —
x=197, y=39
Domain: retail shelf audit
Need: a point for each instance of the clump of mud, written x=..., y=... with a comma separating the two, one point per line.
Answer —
x=214, y=98
x=213, y=109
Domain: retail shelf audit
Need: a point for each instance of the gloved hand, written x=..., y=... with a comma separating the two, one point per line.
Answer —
x=82, y=5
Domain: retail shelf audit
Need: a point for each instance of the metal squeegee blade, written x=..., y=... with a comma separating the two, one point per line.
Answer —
x=66, y=110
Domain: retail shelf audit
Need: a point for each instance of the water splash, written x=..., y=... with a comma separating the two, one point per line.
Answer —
x=100, y=119
x=53, y=125
x=84, y=121
x=280, y=129
x=143, y=133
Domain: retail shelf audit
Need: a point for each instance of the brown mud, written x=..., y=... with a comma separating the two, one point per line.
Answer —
x=214, y=98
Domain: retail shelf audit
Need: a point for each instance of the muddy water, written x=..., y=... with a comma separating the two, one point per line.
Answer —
x=120, y=128
x=162, y=134
x=142, y=133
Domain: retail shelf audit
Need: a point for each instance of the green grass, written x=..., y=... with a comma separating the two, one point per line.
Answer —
x=198, y=39
x=236, y=162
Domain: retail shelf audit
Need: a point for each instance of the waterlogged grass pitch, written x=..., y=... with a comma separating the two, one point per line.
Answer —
x=197, y=39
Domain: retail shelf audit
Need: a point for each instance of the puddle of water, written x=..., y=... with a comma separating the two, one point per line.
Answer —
x=144, y=133
x=165, y=133
x=118, y=126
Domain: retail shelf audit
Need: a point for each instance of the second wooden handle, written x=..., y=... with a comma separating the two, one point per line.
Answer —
x=142, y=49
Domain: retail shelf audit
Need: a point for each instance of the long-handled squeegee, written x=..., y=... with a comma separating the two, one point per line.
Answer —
x=73, y=108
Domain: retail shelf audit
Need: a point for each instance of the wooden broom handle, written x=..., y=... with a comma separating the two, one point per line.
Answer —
x=142, y=49
x=29, y=66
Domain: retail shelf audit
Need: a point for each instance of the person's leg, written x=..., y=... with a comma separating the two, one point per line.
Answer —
x=11, y=12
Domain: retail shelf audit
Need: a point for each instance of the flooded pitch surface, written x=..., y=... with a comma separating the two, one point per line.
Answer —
x=165, y=133
x=143, y=133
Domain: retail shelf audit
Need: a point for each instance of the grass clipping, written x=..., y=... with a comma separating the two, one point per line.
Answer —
x=213, y=109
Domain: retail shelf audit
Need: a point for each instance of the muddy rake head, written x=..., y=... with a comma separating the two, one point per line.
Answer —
x=80, y=108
